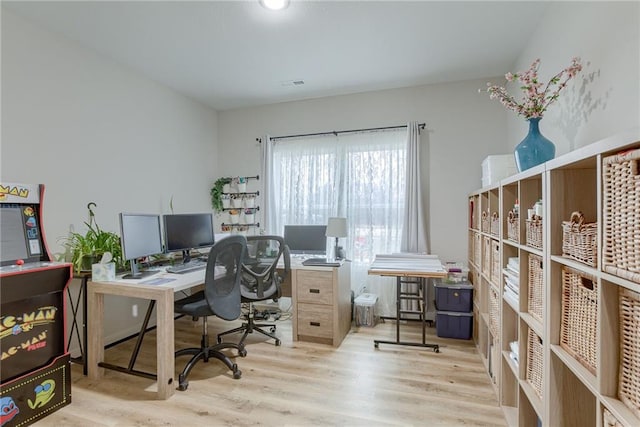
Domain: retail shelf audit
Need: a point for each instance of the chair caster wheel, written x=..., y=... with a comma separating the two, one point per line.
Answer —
x=273, y=329
x=436, y=350
x=237, y=374
x=278, y=342
x=183, y=385
x=242, y=353
x=219, y=340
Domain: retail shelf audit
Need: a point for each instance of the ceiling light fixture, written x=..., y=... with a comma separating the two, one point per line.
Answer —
x=274, y=4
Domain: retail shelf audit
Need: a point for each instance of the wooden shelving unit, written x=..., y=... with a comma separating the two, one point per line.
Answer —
x=570, y=394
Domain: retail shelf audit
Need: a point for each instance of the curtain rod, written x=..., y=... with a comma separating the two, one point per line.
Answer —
x=335, y=133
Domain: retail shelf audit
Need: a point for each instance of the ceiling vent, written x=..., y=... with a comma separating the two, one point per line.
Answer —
x=293, y=83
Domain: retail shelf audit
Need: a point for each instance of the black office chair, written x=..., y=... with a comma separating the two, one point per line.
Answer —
x=220, y=297
x=261, y=281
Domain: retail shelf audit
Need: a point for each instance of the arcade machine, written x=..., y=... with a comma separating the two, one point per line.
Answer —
x=35, y=377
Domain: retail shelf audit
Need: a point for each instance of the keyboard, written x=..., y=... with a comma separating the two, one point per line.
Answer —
x=189, y=267
x=322, y=262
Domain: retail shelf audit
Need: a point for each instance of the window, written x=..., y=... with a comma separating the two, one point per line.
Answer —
x=359, y=175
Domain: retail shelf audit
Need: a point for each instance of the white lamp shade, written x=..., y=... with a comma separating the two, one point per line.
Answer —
x=337, y=227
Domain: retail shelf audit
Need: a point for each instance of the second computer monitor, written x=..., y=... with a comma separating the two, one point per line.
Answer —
x=140, y=236
x=183, y=232
x=306, y=239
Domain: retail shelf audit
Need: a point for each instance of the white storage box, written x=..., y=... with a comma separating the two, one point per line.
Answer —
x=365, y=310
x=497, y=167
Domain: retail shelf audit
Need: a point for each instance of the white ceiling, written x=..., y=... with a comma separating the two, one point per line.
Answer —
x=232, y=54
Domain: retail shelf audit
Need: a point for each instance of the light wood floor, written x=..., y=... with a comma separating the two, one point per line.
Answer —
x=296, y=384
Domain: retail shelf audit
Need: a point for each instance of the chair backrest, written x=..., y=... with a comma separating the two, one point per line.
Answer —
x=260, y=278
x=222, y=277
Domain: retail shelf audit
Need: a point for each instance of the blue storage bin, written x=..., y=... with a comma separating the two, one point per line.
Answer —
x=454, y=296
x=453, y=324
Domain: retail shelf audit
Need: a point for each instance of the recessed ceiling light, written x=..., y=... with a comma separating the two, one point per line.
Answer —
x=274, y=4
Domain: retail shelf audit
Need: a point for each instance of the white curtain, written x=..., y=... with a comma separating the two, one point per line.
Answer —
x=360, y=176
x=414, y=230
x=266, y=175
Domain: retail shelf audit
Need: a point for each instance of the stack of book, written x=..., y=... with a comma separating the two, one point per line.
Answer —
x=512, y=281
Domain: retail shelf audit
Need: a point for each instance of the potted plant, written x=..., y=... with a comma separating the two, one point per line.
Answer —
x=87, y=249
x=216, y=193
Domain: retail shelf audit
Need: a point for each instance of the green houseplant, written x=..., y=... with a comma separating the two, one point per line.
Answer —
x=87, y=249
x=216, y=193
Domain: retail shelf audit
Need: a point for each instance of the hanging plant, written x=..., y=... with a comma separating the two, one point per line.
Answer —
x=216, y=193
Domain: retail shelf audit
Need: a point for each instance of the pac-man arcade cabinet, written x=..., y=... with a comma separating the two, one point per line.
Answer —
x=35, y=373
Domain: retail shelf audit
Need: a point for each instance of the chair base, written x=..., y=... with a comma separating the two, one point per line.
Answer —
x=249, y=327
x=205, y=353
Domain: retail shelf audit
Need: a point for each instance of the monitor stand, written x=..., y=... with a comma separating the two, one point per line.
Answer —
x=136, y=273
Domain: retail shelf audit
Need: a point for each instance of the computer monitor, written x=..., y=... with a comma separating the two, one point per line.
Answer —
x=183, y=232
x=306, y=239
x=141, y=237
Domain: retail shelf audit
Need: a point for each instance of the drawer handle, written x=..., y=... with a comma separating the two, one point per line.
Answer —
x=314, y=323
x=314, y=291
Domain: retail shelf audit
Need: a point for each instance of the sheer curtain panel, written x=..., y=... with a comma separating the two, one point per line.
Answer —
x=360, y=176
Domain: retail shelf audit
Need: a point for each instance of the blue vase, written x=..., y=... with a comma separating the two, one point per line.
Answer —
x=534, y=149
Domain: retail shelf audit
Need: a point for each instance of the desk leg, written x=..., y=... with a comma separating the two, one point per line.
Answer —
x=165, y=345
x=95, y=347
x=435, y=347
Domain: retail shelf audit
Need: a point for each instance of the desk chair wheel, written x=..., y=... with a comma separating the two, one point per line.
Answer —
x=436, y=350
x=242, y=353
x=278, y=342
x=273, y=329
x=182, y=383
x=237, y=373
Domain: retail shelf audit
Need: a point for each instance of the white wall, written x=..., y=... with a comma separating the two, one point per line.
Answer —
x=91, y=130
x=463, y=127
x=605, y=98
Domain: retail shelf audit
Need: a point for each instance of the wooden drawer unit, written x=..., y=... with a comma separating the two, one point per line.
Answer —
x=315, y=320
x=315, y=287
x=321, y=303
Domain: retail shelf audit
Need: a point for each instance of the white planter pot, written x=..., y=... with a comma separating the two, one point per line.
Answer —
x=226, y=188
x=242, y=187
x=249, y=202
x=237, y=202
x=226, y=203
x=249, y=218
x=234, y=219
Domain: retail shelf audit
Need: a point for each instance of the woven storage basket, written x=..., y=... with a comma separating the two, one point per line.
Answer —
x=579, y=317
x=534, y=233
x=513, y=227
x=535, y=297
x=495, y=225
x=486, y=260
x=471, y=241
x=494, y=311
x=580, y=240
x=495, y=262
x=485, y=222
x=621, y=226
x=534, y=362
x=629, y=380
x=477, y=248
x=608, y=420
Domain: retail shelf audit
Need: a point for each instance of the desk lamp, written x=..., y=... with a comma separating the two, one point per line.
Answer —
x=337, y=227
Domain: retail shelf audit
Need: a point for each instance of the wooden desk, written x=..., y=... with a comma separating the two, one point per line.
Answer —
x=409, y=268
x=162, y=295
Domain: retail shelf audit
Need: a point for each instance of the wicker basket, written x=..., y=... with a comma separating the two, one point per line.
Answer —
x=608, y=420
x=494, y=311
x=485, y=222
x=513, y=227
x=579, y=317
x=495, y=262
x=629, y=380
x=534, y=232
x=495, y=225
x=580, y=240
x=486, y=260
x=534, y=362
x=477, y=249
x=621, y=227
x=535, y=297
